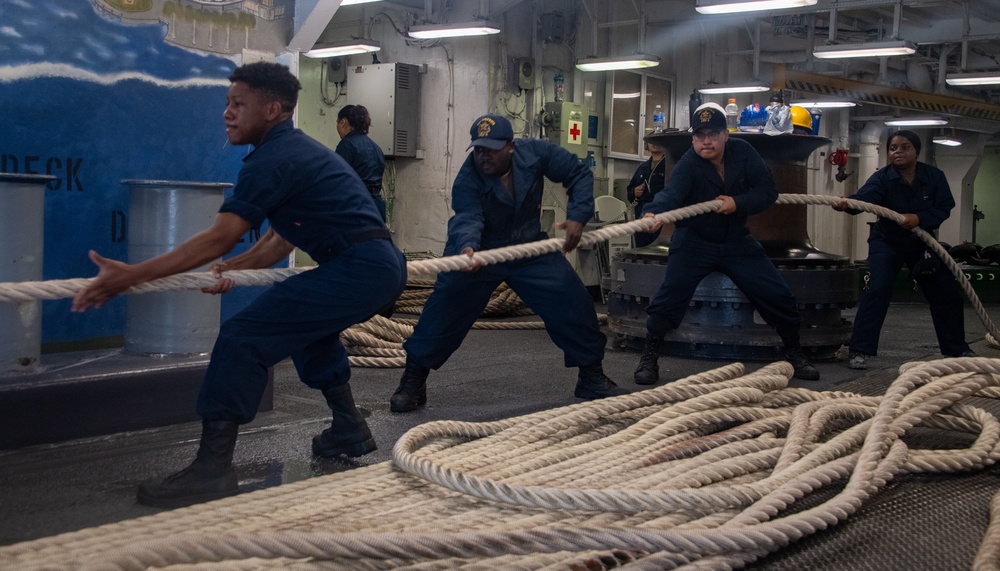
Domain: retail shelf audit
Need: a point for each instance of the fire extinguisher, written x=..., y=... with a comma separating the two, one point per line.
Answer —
x=838, y=159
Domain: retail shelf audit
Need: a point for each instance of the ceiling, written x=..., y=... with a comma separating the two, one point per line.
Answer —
x=938, y=27
x=951, y=36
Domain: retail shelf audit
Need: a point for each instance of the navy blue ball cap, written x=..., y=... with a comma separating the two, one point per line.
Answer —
x=491, y=131
x=710, y=115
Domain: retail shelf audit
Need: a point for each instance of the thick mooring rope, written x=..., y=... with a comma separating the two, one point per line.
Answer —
x=378, y=342
x=58, y=289
x=703, y=473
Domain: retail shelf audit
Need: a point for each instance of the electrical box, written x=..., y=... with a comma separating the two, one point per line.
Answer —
x=391, y=93
x=522, y=73
x=552, y=27
x=337, y=70
x=567, y=126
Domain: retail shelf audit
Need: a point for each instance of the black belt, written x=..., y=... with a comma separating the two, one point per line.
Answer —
x=342, y=243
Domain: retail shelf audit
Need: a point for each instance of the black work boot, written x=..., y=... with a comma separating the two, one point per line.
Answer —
x=412, y=391
x=803, y=368
x=348, y=433
x=594, y=384
x=648, y=371
x=210, y=477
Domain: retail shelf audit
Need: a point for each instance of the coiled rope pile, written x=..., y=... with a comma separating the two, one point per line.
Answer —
x=703, y=473
x=57, y=289
x=711, y=469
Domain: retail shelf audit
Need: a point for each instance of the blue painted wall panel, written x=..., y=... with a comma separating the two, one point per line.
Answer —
x=93, y=96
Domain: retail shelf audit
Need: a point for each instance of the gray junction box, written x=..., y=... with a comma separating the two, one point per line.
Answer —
x=390, y=92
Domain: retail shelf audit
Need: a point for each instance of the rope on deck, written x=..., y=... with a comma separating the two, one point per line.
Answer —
x=703, y=473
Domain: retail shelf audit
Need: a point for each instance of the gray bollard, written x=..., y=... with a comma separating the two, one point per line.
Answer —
x=22, y=215
x=162, y=215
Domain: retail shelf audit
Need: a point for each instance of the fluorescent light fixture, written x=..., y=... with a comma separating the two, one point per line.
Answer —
x=632, y=61
x=454, y=30
x=343, y=48
x=350, y=2
x=732, y=6
x=867, y=49
x=825, y=104
x=752, y=86
x=984, y=78
x=946, y=141
x=917, y=121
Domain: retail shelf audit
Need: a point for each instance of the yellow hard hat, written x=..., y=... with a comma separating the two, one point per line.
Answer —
x=801, y=118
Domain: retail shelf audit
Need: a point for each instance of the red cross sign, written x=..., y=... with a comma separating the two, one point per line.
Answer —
x=574, y=130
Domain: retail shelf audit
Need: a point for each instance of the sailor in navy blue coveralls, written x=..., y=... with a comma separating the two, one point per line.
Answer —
x=927, y=197
x=719, y=241
x=503, y=209
x=649, y=177
x=314, y=200
x=361, y=152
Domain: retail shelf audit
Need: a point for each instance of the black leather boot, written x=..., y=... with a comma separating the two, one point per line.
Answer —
x=348, y=433
x=210, y=477
x=793, y=354
x=648, y=371
x=594, y=384
x=412, y=391
x=803, y=368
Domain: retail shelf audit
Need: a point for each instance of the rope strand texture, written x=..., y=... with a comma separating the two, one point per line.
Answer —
x=707, y=466
x=58, y=289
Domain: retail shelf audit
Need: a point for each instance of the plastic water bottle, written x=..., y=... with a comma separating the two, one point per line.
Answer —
x=559, y=84
x=659, y=121
x=732, y=115
x=816, y=114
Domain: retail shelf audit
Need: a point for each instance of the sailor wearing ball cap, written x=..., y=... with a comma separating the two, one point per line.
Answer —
x=729, y=170
x=497, y=199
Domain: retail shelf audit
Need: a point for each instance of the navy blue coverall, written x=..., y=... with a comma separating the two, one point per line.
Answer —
x=366, y=158
x=890, y=246
x=487, y=216
x=721, y=242
x=314, y=200
x=653, y=180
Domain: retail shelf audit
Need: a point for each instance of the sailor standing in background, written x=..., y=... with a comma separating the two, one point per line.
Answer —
x=646, y=182
x=357, y=148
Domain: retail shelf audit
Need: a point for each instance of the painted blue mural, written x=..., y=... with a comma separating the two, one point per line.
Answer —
x=94, y=93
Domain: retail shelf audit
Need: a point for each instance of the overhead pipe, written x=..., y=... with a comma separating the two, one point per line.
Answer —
x=942, y=85
x=897, y=20
x=917, y=76
x=966, y=29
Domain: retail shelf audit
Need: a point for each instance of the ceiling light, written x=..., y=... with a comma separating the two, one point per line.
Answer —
x=867, y=49
x=917, y=121
x=632, y=61
x=349, y=2
x=731, y=6
x=343, y=48
x=454, y=30
x=826, y=104
x=752, y=86
x=983, y=78
x=946, y=141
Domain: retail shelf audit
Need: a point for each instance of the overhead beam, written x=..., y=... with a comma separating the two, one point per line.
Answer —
x=312, y=28
x=884, y=95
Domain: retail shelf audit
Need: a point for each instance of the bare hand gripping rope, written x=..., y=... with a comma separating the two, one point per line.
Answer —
x=58, y=289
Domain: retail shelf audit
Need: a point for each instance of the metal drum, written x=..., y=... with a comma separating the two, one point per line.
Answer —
x=720, y=321
x=162, y=215
x=22, y=214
